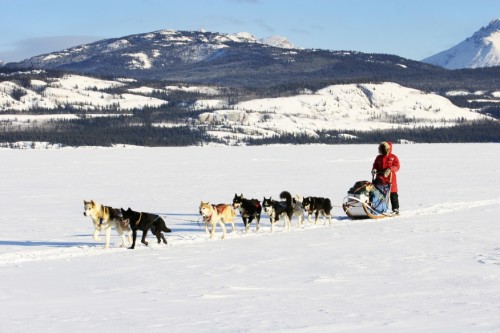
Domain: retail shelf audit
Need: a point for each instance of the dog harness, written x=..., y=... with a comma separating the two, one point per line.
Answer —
x=139, y=220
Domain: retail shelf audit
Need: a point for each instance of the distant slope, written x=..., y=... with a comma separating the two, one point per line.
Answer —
x=71, y=92
x=360, y=107
x=216, y=58
x=482, y=49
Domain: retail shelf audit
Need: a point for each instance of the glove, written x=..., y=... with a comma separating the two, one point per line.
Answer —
x=387, y=172
x=374, y=172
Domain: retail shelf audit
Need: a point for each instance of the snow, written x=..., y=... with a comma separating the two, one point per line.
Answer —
x=204, y=104
x=119, y=44
x=146, y=90
x=278, y=41
x=458, y=93
x=84, y=82
x=139, y=60
x=433, y=269
x=38, y=83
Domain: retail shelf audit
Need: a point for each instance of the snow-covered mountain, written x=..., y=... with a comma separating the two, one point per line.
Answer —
x=277, y=41
x=482, y=49
x=218, y=58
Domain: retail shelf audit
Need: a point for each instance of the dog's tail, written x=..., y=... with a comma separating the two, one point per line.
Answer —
x=163, y=226
x=288, y=198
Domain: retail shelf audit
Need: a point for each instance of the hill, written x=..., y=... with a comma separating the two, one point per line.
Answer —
x=224, y=59
x=79, y=110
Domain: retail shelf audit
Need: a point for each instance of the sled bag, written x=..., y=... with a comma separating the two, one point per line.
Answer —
x=379, y=198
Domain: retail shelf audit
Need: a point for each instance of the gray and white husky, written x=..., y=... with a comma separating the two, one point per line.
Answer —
x=105, y=217
x=298, y=210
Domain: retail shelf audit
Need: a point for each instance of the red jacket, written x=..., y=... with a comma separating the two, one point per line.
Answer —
x=383, y=162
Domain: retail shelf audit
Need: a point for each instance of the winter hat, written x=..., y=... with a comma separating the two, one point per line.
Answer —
x=384, y=148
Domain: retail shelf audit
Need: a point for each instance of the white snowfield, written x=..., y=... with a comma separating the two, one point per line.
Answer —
x=436, y=268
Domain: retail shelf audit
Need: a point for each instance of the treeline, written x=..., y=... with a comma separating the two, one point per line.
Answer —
x=484, y=131
x=106, y=132
x=121, y=130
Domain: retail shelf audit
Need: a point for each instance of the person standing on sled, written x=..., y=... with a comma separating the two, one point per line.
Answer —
x=384, y=171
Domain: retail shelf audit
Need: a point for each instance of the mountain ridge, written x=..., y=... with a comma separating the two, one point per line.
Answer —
x=482, y=49
x=215, y=58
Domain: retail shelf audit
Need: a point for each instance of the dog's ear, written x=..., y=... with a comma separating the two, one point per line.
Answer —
x=92, y=202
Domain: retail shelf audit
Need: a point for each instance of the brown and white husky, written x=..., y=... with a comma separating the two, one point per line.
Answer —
x=213, y=214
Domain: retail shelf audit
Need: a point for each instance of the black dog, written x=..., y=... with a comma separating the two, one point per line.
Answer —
x=249, y=209
x=315, y=205
x=144, y=222
x=276, y=208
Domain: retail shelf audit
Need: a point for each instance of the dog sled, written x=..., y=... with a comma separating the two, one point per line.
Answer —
x=367, y=200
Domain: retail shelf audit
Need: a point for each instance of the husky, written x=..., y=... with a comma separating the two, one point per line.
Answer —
x=213, y=214
x=277, y=208
x=249, y=209
x=316, y=205
x=105, y=217
x=298, y=210
x=145, y=221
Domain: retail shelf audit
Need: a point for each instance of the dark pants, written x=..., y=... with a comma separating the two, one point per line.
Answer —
x=394, y=201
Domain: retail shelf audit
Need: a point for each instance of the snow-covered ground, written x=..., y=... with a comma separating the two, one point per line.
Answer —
x=436, y=268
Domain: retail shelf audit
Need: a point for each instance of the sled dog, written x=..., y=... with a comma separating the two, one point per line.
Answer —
x=298, y=210
x=277, y=208
x=213, y=214
x=105, y=217
x=316, y=205
x=145, y=221
x=249, y=209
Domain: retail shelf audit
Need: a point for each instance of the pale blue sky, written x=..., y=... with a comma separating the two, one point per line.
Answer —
x=412, y=29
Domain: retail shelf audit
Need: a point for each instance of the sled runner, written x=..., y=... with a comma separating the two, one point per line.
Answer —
x=366, y=200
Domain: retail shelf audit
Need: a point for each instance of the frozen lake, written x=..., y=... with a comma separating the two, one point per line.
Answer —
x=436, y=268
